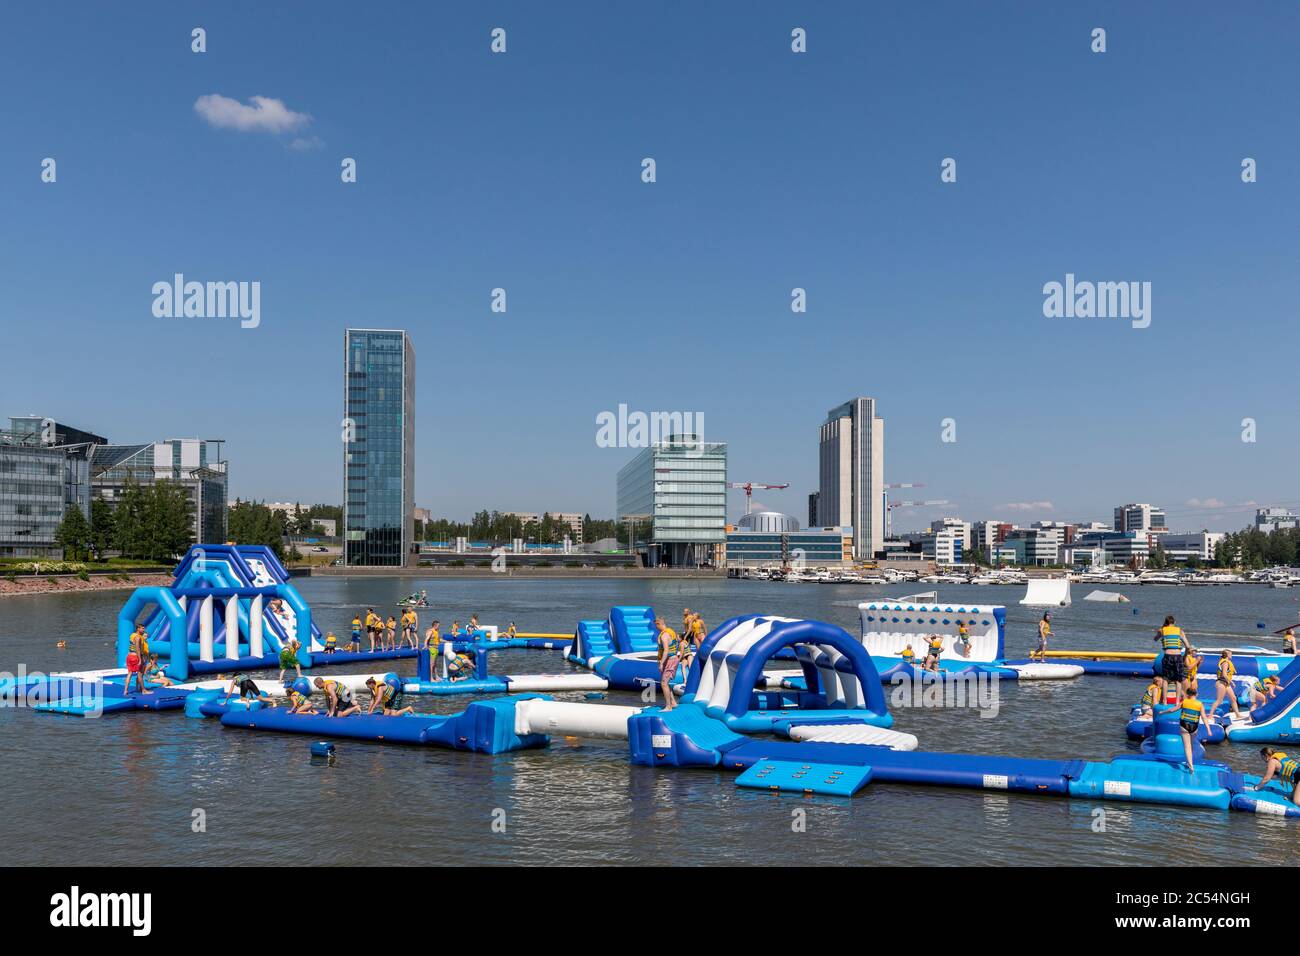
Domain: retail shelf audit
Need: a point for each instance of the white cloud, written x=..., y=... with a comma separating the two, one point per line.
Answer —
x=1205, y=503
x=260, y=114
x=1028, y=506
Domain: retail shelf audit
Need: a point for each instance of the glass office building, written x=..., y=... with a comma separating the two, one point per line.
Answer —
x=675, y=493
x=851, y=461
x=193, y=464
x=379, y=447
x=810, y=547
x=44, y=470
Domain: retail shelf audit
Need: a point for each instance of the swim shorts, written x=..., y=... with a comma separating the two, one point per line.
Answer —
x=1172, y=667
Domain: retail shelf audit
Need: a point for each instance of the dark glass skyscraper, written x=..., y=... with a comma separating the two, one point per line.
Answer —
x=379, y=447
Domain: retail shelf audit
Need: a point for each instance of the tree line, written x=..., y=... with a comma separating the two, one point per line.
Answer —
x=500, y=528
x=153, y=523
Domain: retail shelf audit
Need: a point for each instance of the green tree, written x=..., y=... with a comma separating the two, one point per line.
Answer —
x=73, y=534
x=252, y=522
x=101, y=526
x=128, y=521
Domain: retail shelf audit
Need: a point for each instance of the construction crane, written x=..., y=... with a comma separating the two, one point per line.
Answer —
x=890, y=506
x=749, y=487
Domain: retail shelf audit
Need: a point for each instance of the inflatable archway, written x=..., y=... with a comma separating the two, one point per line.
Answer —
x=837, y=670
x=171, y=609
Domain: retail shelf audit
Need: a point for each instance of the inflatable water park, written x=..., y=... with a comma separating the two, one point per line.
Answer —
x=787, y=704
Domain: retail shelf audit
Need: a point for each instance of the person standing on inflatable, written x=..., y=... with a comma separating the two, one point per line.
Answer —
x=137, y=654
x=1223, y=683
x=1173, y=642
x=1190, y=717
x=289, y=658
x=431, y=641
x=670, y=655
x=1044, y=632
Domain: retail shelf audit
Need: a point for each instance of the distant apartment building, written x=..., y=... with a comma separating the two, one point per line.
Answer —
x=987, y=535
x=957, y=526
x=44, y=470
x=193, y=464
x=1034, y=546
x=943, y=546
x=1271, y=519
x=574, y=521
x=1196, y=544
x=674, y=494
x=1124, y=548
x=813, y=521
x=1143, y=518
x=379, y=450
x=851, y=463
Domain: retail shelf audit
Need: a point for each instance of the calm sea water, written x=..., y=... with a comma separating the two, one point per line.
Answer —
x=125, y=788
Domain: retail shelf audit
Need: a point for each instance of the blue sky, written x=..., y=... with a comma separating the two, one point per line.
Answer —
x=775, y=170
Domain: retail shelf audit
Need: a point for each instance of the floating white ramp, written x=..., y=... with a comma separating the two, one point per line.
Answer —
x=1112, y=596
x=1047, y=592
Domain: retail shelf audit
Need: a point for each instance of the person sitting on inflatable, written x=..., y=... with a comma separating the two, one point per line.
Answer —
x=331, y=643
x=300, y=697
x=908, y=655
x=1262, y=691
x=248, y=691
x=155, y=673
x=339, y=701
x=1283, y=766
x=932, y=653
x=387, y=694
x=1150, y=698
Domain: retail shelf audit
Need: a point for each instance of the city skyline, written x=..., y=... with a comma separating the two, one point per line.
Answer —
x=789, y=173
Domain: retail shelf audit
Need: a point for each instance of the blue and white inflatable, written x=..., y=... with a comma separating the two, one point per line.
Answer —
x=840, y=683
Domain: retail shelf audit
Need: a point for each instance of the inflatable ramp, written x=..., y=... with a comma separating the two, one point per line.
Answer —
x=633, y=627
x=1047, y=592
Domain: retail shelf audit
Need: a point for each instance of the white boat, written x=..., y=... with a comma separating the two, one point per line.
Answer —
x=1163, y=578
